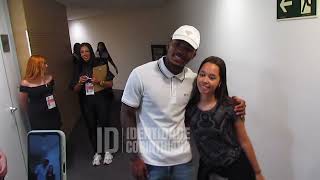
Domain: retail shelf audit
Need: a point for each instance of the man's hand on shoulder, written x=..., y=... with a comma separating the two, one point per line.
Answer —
x=240, y=106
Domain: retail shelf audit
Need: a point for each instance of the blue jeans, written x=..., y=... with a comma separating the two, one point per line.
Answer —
x=176, y=172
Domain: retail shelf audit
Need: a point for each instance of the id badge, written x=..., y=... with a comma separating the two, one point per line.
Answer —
x=50, y=102
x=89, y=89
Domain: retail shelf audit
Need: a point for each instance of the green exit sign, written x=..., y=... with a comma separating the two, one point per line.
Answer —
x=296, y=8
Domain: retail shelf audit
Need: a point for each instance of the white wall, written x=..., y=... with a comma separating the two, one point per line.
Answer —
x=128, y=36
x=274, y=65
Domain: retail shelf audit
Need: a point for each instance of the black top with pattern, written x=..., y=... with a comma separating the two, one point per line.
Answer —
x=215, y=134
x=40, y=116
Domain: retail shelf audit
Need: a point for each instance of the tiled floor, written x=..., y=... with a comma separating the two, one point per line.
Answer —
x=80, y=154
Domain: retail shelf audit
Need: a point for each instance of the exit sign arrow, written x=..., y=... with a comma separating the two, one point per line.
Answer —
x=284, y=4
x=296, y=9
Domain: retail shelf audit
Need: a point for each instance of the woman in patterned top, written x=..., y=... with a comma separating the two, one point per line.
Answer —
x=94, y=95
x=224, y=146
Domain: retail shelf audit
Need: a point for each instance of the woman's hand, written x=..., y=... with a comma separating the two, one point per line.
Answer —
x=83, y=79
x=95, y=81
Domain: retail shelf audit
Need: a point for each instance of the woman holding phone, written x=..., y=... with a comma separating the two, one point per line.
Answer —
x=93, y=89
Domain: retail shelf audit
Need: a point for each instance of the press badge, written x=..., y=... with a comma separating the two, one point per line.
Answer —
x=89, y=89
x=50, y=102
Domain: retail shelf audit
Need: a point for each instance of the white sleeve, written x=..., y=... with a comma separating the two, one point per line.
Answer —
x=133, y=91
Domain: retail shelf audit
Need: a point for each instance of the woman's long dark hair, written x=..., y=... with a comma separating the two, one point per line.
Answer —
x=76, y=48
x=92, y=56
x=221, y=93
x=86, y=67
x=104, y=48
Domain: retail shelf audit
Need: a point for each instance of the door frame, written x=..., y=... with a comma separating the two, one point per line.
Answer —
x=11, y=63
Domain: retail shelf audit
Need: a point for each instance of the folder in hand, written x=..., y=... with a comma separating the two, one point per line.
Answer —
x=100, y=73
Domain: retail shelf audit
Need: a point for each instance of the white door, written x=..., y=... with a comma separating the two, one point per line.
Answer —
x=12, y=130
x=10, y=142
x=12, y=71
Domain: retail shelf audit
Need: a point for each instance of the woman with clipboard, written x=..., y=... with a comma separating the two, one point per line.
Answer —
x=91, y=80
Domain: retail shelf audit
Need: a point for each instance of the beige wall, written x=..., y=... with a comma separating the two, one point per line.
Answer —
x=47, y=26
x=19, y=27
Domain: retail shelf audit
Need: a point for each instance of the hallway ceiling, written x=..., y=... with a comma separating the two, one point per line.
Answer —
x=77, y=9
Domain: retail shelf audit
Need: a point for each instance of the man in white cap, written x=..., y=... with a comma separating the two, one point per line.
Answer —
x=154, y=102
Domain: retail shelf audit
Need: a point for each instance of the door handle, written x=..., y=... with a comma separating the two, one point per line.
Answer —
x=13, y=109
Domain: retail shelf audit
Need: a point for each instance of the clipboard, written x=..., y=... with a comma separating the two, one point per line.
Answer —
x=100, y=73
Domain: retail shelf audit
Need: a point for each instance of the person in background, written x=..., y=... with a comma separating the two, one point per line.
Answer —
x=50, y=174
x=37, y=95
x=42, y=169
x=154, y=101
x=94, y=102
x=102, y=52
x=76, y=53
x=77, y=67
x=220, y=135
x=3, y=165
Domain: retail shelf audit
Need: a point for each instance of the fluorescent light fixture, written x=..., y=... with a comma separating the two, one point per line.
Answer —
x=78, y=31
x=29, y=47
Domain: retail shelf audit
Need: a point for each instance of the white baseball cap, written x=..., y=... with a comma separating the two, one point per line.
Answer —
x=189, y=34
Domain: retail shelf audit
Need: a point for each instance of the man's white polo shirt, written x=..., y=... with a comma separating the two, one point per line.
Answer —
x=161, y=98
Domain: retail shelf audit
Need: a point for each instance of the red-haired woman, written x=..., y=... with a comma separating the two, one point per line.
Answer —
x=36, y=95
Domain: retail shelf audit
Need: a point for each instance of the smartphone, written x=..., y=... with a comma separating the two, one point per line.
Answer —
x=46, y=155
